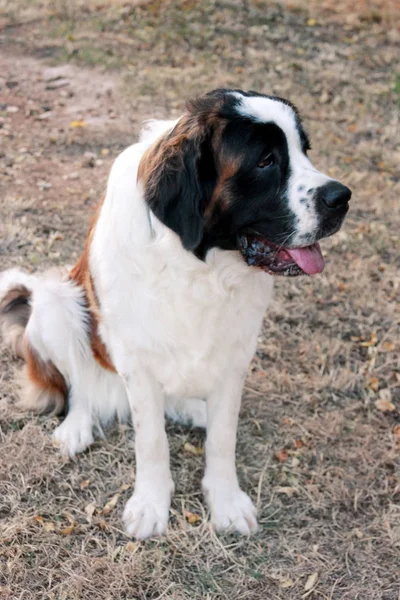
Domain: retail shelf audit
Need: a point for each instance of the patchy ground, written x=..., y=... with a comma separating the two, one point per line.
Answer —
x=319, y=439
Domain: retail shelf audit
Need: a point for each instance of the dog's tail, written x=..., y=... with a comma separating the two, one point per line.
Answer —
x=15, y=309
x=43, y=387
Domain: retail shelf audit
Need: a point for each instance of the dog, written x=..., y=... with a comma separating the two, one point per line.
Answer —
x=162, y=311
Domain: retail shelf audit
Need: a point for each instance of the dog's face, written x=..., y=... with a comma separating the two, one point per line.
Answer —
x=234, y=174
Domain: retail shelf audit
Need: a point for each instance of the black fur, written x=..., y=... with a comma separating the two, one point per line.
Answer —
x=184, y=188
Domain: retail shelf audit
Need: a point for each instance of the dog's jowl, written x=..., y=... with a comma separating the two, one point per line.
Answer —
x=162, y=311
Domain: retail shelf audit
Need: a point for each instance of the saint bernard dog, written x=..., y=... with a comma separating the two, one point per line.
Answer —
x=162, y=311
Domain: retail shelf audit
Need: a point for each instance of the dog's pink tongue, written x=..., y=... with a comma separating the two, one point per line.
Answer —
x=309, y=259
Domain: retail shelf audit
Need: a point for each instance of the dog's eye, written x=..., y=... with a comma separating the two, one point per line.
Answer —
x=268, y=161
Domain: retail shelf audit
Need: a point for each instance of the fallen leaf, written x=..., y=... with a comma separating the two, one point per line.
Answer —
x=311, y=22
x=194, y=450
x=363, y=228
x=389, y=346
x=311, y=581
x=67, y=530
x=111, y=504
x=85, y=483
x=324, y=97
x=44, y=116
x=373, y=384
x=286, y=583
x=90, y=509
x=396, y=433
x=132, y=547
x=102, y=525
x=371, y=342
x=282, y=456
x=384, y=403
x=257, y=424
x=78, y=123
x=124, y=487
x=289, y=491
x=47, y=525
x=358, y=533
x=192, y=518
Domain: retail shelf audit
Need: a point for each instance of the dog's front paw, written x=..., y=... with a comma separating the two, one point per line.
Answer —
x=146, y=514
x=74, y=435
x=231, y=509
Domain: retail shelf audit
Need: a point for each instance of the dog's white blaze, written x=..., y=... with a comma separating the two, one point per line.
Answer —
x=304, y=176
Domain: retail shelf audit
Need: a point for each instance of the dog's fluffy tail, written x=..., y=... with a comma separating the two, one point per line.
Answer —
x=43, y=387
x=15, y=309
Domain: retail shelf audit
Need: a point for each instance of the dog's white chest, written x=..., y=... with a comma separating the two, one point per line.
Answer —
x=205, y=329
x=186, y=321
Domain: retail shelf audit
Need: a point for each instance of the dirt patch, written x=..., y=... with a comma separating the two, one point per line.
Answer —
x=319, y=440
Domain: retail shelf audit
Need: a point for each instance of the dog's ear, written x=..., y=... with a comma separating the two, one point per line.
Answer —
x=180, y=181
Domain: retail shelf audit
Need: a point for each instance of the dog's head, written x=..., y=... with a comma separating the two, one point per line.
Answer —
x=233, y=173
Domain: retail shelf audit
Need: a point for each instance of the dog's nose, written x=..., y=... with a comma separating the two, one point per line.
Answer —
x=334, y=194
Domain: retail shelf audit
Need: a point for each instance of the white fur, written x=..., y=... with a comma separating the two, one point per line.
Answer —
x=304, y=176
x=13, y=278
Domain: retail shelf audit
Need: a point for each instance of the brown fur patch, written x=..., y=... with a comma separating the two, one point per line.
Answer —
x=167, y=147
x=202, y=116
x=81, y=274
x=220, y=200
x=44, y=389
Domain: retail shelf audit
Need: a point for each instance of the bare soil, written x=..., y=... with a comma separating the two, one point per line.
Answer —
x=319, y=438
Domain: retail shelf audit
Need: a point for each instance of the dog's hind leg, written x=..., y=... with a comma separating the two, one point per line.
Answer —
x=58, y=329
x=75, y=433
x=43, y=319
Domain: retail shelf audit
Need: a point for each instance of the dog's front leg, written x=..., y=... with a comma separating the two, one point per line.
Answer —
x=146, y=512
x=230, y=507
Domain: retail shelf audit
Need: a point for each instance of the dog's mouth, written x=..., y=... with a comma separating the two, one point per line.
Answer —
x=275, y=260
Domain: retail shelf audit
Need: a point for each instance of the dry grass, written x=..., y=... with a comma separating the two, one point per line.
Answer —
x=314, y=449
